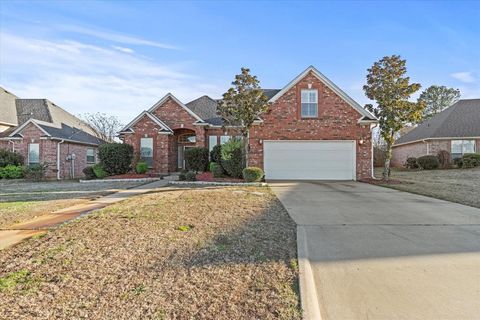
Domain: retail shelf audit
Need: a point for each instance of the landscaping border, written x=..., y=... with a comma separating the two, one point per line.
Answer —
x=121, y=180
x=216, y=183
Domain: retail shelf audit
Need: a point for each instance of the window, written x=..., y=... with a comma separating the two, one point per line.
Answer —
x=33, y=153
x=224, y=139
x=460, y=147
x=187, y=138
x=146, y=151
x=90, y=155
x=309, y=103
x=212, y=142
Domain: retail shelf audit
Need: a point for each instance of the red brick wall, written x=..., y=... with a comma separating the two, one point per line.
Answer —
x=337, y=120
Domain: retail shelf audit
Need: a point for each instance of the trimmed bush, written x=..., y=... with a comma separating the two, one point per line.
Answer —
x=411, y=163
x=470, y=160
x=116, y=158
x=233, y=159
x=190, y=176
x=10, y=158
x=11, y=172
x=89, y=173
x=216, y=154
x=141, y=167
x=444, y=159
x=36, y=171
x=217, y=170
x=196, y=159
x=429, y=162
x=252, y=174
x=99, y=171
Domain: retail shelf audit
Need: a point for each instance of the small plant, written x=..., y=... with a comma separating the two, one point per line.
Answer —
x=138, y=289
x=185, y=228
x=10, y=158
x=411, y=163
x=458, y=162
x=89, y=173
x=182, y=175
x=141, y=167
x=252, y=174
x=36, y=172
x=217, y=170
x=216, y=153
x=196, y=159
x=11, y=172
x=99, y=171
x=190, y=176
x=428, y=162
x=444, y=159
x=12, y=279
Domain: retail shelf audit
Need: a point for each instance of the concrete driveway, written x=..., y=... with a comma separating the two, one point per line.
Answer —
x=377, y=253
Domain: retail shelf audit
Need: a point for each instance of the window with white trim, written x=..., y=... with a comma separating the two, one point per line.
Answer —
x=460, y=147
x=224, y=139
x=146, y=151
x=90, y=155
x=33, y=153
x=212, y=142
x=309, y=103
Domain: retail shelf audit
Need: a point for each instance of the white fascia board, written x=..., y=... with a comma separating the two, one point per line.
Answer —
x=435, y=138
x=169, y=95
x=329, y=84
x=140, y=116
x=34, y=122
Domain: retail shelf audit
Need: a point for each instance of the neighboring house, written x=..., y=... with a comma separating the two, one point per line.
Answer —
x=312, y=130
x=455, y=129
x=45, y=133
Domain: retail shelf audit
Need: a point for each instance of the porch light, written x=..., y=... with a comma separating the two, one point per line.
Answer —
x=361, y=142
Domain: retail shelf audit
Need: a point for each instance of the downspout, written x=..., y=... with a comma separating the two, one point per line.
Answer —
x=372, y=160
x=58, y=159
x=428, y=149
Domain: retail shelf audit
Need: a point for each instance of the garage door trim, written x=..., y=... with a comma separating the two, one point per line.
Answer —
x=353, y=142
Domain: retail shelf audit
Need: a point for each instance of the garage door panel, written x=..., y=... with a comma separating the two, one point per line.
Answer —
x=312, y=160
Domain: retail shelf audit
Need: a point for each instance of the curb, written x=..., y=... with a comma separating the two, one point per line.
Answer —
x=121, y=180
x=308, y=291
x=215, y=183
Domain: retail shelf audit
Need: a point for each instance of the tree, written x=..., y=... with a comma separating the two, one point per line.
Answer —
x=104, y=125
x=243, y=104
x=436, y=99
x=389, y=86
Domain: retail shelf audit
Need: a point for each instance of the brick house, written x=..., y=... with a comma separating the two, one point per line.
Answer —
x=455, y=129
x=312, y=130
x=45, y=133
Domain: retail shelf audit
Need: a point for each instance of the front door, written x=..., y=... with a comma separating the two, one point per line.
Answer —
x=181, y=156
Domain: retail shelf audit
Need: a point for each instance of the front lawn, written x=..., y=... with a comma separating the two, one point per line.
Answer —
x=211, y=253
x=456, y=185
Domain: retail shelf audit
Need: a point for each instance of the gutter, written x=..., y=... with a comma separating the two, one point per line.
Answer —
x=58, y=159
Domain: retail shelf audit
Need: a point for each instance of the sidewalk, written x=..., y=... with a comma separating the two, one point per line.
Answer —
x=40, y=225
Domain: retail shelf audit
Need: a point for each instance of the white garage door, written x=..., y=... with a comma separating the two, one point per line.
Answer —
x=309, y=160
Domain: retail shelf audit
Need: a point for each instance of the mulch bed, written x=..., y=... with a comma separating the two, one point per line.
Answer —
x=133, y=176
x=382, y=182
x=208, y=176
x=210, y=253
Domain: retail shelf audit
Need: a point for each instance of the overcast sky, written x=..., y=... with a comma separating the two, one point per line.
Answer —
x=122, y=57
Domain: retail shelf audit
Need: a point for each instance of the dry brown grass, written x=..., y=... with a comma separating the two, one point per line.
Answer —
x=235, y=259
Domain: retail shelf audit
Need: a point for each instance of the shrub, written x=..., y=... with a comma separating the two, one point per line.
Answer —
x=444, y=158
x=141, y=167
x=251, y=174
x=36, y=171
x=99, y=171
x=458, y=162
x=217, y=170
x=216, y=154
x=471, y=160
x=196, y=159
x=89, y=173
x=11, y=172
x=411, y=163
x=190, y=176
x=429, y=162
x=116, y=158
x=182, y=175
x=8, y=157
x=233, y=160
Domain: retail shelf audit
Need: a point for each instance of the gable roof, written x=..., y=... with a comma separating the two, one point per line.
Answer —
x=331, y=85
x=171, y=96
x=160, y=123
x=461, y=120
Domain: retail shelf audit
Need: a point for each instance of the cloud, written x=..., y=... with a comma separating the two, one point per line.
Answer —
x=466, y=77
x=115, y=37
x=81, y=77
x=123, y=49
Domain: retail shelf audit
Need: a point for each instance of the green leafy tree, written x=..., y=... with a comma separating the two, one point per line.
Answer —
x=437, y=99
x=389, y=86
x=242, y=104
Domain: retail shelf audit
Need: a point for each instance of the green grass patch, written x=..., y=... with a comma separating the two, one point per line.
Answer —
x=13, y=279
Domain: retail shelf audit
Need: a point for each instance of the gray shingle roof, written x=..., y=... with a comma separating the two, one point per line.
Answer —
x=71, y=133
x=458, y=121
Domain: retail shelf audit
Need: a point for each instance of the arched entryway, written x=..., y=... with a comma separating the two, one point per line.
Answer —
x=185, y=138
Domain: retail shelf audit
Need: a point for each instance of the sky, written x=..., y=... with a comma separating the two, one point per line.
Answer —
x=120, y=57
